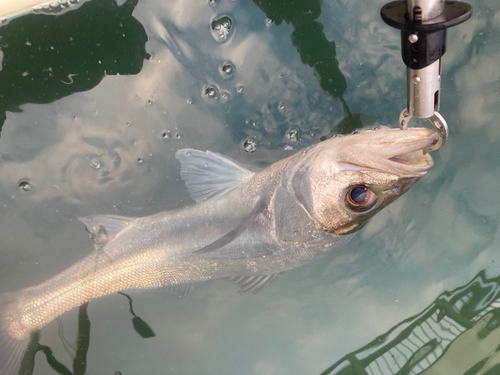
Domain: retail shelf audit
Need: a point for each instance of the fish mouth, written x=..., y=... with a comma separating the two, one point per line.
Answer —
x=401, y=152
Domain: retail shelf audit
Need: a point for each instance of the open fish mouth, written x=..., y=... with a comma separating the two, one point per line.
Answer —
x=402, y=152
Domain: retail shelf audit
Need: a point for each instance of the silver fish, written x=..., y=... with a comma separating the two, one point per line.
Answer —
x=247, y=228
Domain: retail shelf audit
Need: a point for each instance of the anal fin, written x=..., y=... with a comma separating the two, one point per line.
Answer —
x=180, y=291
x=252, y=284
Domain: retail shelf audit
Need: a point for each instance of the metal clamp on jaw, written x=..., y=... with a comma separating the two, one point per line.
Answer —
x=423, y=25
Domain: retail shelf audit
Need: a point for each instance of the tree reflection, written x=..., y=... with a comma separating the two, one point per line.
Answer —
x=47, y=57
x=316, y=51
x=458, y=333
x=83, y=341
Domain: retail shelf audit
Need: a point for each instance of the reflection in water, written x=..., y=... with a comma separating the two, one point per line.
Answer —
x=140, y=326
x=83, y=341
x=316, y=51
x=80, y=358
x=308, y=37
x=458, y=332
x=48, y=57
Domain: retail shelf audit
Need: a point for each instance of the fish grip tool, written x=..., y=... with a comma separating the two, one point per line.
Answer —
x=423, y=25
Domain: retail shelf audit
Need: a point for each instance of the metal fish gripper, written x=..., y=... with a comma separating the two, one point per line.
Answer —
x=423, y=25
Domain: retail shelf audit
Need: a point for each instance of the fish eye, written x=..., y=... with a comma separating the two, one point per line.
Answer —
x=359, y=198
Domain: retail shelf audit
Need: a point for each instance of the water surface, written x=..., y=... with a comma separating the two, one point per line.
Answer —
x=95, y=102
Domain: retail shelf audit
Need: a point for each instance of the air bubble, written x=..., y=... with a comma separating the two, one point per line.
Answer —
x=166, y=135
x=292, y=135
x=211, y=92
x=212, y=2
x=239, y=90
x=25, y=185
x=227, y=69
x=179, y=136
x=150, y=102
x=225, y=96
x=250, y=145
x=269, y=21
x=221, y=28
x=140, y=160
x=282, y=107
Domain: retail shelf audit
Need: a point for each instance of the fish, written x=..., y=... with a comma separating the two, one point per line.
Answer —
x=246, y=227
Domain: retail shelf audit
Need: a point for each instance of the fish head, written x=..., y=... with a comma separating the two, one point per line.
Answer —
x=342, y=182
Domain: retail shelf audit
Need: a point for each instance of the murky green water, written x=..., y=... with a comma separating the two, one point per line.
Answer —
x=95, y=102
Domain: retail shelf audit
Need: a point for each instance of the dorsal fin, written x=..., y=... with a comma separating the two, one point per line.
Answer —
x=209, y=175
x=104, y=228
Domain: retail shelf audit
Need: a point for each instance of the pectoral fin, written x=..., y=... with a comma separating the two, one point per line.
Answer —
x=252, y=284
x=104, y=228
x=240, y=228
x=209, y=175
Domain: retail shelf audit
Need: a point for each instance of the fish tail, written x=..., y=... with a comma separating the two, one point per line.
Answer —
x=12, y=349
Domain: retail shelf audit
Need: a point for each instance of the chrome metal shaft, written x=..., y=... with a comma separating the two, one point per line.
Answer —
x=423, y=10
x=423, y=84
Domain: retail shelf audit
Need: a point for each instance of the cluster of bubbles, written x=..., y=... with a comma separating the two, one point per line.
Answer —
x=166, y=135
x=212, y=92
x=222, y=28
x=54, y=6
